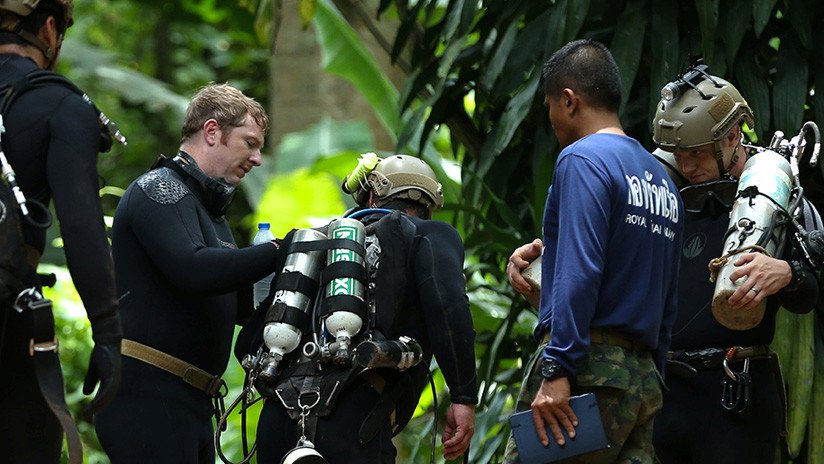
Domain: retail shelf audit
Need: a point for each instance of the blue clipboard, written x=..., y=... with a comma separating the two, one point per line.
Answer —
x=589, y=435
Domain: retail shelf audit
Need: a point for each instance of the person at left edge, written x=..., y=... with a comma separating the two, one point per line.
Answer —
x=52, y=140
x=184, y=284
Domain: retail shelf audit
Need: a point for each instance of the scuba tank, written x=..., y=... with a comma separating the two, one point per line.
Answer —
x=340, y=322
x=281, y=333
x=763, y=192
x=769, y=198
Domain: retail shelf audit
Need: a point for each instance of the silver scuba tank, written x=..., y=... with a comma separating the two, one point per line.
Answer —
x=750, y=219
x=281, y=338
x=343, y=325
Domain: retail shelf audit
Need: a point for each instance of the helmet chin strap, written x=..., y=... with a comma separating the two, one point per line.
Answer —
x=724, y=171
x=49, y=53
x=35, y=41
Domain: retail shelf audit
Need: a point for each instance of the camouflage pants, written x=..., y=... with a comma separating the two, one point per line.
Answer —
x=627, y=388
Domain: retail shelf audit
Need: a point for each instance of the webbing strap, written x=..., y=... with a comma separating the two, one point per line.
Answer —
x=193, y=375
x=343, y=270
x=43, y=350
x=348, y=303
x=296, y=282
x=34, y=79
x=281, y=312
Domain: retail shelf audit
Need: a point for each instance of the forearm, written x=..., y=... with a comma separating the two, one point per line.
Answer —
x=192, y=253
x=220, y=270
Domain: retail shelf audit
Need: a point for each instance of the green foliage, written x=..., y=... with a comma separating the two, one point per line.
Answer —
x=345, y=55
x=299, y=199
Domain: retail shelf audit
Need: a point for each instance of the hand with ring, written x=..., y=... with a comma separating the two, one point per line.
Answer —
x=764, y=276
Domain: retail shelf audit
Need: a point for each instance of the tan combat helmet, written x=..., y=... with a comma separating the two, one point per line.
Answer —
x=405, y=177
x=23, y=8
x=700, y=112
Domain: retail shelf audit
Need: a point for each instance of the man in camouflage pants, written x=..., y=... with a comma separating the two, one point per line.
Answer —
x=607, y=371
x=609, y=268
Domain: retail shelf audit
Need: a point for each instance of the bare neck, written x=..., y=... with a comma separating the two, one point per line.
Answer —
x=596, y=121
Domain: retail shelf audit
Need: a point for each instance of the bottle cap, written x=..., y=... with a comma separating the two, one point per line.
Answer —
x=263, y=225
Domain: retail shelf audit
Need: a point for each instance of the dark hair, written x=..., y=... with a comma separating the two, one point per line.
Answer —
x=588, y=68
x=420, y=210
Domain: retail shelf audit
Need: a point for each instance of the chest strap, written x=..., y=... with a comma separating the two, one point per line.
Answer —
x=210, y=384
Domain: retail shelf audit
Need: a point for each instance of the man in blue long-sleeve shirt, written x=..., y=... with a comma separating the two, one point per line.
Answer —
x=612, y=233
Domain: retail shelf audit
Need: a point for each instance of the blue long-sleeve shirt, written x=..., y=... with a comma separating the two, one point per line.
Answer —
x=612, y=236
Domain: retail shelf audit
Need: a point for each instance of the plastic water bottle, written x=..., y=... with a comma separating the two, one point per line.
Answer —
x=261, y=288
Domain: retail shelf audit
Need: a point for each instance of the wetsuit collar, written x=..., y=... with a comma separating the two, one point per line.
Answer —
x=219, y=193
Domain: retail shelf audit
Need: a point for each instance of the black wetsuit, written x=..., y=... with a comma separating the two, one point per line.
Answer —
x=420, y=293
x=693, y=427
x=52, y=140
x=183, y=285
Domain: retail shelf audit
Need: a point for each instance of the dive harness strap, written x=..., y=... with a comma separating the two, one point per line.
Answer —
x=210, y=384
x=43, y=350
x=383, y=409
x=687, y=363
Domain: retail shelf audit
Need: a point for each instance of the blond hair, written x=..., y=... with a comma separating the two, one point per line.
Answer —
x=223, y=103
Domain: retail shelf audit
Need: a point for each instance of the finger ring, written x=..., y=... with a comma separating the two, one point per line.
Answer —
x=755, y=290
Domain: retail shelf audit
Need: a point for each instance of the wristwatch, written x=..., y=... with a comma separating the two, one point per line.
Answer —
x=551, y=369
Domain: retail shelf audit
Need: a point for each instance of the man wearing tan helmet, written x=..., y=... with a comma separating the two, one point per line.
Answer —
x=416, y=298
x=697, y=127
x=52, y=139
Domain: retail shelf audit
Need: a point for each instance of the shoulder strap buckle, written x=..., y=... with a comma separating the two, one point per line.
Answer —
x=42, y=347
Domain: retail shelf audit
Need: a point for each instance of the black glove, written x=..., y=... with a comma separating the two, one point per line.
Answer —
x=104, y=364
x=104, y=367
x=283, y=245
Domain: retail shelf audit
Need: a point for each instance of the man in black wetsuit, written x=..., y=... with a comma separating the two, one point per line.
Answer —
x=183, y=284
x=700, y=131
x=52, y=139
x=419, y=292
